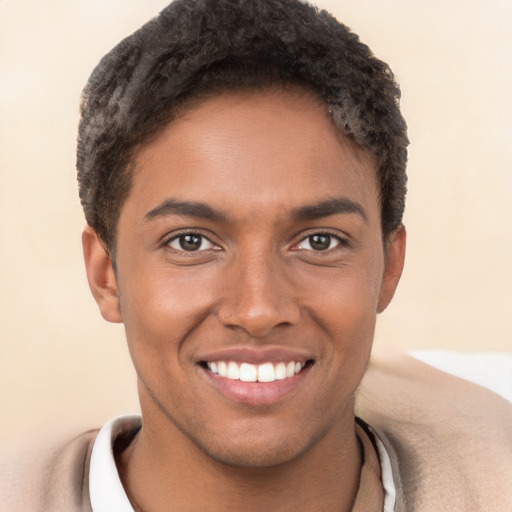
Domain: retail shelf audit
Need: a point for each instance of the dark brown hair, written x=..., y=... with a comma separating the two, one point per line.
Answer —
x=202, y=47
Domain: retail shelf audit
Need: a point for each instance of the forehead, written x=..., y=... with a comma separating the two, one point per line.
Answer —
x=241, y=151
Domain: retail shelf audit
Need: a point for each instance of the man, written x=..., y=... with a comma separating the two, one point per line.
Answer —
x=242, y=172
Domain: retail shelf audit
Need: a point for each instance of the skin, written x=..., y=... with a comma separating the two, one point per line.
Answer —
x=257, y=282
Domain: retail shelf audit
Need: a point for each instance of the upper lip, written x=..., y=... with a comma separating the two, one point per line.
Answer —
x=254, y=355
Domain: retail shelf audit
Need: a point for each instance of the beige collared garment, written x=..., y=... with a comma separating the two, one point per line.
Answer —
x=449, y=441
x=370, y=496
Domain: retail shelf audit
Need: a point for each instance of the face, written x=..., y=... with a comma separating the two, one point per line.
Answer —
x=250, y=269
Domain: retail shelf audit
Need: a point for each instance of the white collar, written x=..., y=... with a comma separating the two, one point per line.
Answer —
x=108, y=495
x=386, y=473
x=105, y=488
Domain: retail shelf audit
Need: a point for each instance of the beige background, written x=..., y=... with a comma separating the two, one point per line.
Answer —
x=62, y=366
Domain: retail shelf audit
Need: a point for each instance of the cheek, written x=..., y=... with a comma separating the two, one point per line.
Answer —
x=159, y=308
x=350, y=319
x=347, y=298
x=345, y=307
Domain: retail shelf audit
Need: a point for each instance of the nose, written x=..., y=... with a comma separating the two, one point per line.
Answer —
x=258, y=297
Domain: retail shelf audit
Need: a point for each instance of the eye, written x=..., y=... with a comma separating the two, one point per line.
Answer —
x=190, y=242
x=319, y=242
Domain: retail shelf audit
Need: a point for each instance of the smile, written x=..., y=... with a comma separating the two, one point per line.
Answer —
x=259, y=376
x=247, y=372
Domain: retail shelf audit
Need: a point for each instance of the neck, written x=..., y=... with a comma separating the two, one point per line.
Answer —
x=163, y=467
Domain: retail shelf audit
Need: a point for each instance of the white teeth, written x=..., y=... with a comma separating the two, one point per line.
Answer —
x=233, y=371
x=266, y=372
x=280, y=371
x=246, y=372
x=222, y=368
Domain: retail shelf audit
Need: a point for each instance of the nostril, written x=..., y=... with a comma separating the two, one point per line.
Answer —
x=259, y=321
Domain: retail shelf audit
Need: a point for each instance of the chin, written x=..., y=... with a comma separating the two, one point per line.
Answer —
x=255, y=456
x=265, y=448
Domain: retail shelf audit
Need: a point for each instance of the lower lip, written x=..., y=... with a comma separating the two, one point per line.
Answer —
x=256, y=393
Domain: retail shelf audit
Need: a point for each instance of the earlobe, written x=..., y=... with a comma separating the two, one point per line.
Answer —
x=395, y=257
x=101, y=275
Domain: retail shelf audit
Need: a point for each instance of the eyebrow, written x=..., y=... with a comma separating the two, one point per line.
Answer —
x=327, y=208
x=200, y=210
x=187, y=208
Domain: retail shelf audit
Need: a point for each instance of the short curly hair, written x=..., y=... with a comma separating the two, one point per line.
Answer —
x=198, y=48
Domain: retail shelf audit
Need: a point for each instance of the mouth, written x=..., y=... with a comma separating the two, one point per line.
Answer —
x=247, y=372
x=256, y=379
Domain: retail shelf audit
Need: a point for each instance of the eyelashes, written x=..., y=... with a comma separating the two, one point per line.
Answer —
x=319, y=242
x=192, y=241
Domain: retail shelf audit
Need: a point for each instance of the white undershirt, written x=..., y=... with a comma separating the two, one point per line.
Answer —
x=108, y=495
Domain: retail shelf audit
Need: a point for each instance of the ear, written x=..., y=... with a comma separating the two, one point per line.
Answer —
x=394, y=264
x=101, y=275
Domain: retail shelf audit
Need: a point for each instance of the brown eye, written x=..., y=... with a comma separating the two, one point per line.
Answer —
x=190, y=242
x=319, y=242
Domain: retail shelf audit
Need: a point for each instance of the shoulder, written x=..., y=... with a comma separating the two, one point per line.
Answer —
x=400, y=384
x=53, y=478
x=450, y=441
